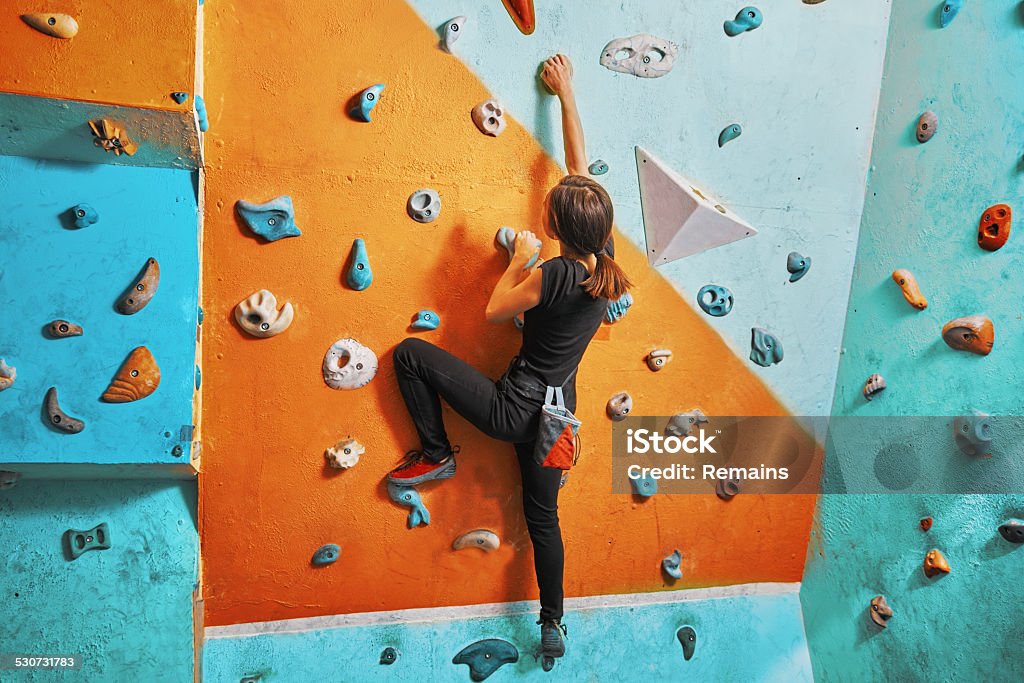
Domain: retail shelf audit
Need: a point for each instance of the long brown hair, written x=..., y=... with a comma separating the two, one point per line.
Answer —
x=581, y=214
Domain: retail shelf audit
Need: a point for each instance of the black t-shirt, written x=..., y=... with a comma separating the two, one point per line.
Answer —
x=557, y=331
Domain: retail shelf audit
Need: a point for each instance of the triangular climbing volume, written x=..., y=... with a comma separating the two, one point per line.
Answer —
x=522, y=14
x=679, y=219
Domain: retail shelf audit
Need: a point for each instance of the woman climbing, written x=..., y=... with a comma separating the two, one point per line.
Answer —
x=563, y=302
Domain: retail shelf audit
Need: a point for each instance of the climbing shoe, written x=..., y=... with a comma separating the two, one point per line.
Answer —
x=552, y=638
x=417, y=468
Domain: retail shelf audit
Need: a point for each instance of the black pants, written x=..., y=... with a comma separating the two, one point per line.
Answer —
x=507, y=410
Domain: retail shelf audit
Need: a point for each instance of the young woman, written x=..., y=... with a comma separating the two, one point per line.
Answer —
x=563, y=302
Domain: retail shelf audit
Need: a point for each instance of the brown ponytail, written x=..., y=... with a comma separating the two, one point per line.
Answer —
x=581, y=215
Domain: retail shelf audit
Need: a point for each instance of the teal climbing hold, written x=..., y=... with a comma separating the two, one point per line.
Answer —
x=688, y=639
x=797, y=265
x=949, y=11
x=671, y=565
x=645, y=485
x=599, y=167
x=617, y=309
x=484, y=657
x=326, y=554
x=204, y=121
x=410, y=498
x=729, y=133
x=426, y=320
x=715, y=300
x=271, y=220
x=765, y=348
x=367, y=101
x=83, y=215
x=359, y=275
x=179, y=96
x=389, y=656
x=199, y=378
x=97, y=538
x=747, y=19
x=506, y=238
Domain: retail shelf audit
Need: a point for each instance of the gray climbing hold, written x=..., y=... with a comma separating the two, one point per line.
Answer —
x=874, y=385
x=410, y=498
x=97, y=538
x=658, y=359
x=424, y=205
x=83, y=215
x=765, y=348
x=619, y=406
x=973, y=433
x=729, y=133
x=271, y=220
x=599, y=167
x=682, y=425
x=797, y=265
x=452, y=32
x=484, y=657
x=484, y=539
x=927, y=126
x=688, y=639
x=326, y=554
x=58, y=419
x=671, y=564
x=715, y=300
x=1012, y=530
x=389, y=656
x=505, y=238
x=727, y=489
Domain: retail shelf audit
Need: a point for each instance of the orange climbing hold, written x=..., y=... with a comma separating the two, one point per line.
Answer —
x=522, y=13
x=935, y=564
x=138, y=377
x=994, y=227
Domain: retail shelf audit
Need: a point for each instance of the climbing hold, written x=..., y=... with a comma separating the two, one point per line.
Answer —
x=671, y=565
x=880, y=612
x=727, y=489
x=326, y=554
x=935, y=564
x=426, y=320
x=359, y=275
x=489, y=117
x=60, y=329
x=715, y=300
x=747, y=19
x=484, y=657
x=797, y=265
x=389, y=656
x=644, y=485
x=926, y=523
x=994, y=227
x=729, y=133
x=258, y=316
x=973, y=333
x=949, y=11
x=349, y=365
x=522, y=14
x=688, y=639
x=973, y=434
x=201, y=118
x=642, y=55
x=344, y=454
x=7, y=375
x=112, y=137
x=765, y=348
x=874, y=386
x=927, y=126
x=617, y=309
x=97, y=538
x=60, y=420
x=179, y=97
x=271, y=220
x=911, y=292
x=506, y=239
x=141, y=290
x=619, y=406
x=83, y=215
x=424, y=206
x=138, y=377
x=367, y=101
x=54, y=25
x=199, y=378
x=478, y=538
x=1012, y=530
x=682, y=425
x=8, y=480
x=599, y=167
x=658, y=359
x=452, y=31
x=410, y=498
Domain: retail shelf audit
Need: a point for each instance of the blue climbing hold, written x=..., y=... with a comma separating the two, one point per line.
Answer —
x=200, y=315
x=199, y=378
x=645, y=485
x=729, y=133
x=83, y=215
x=389, y=656
x=484, y=657
x=179, y=96
x=272, y=220
x=506, y=238
x=797, y=265
x=715, y=300
x=204, y=122
x=326, y=554
x=671, y=565
x=359, y=275
x=765, y=348
x=410, y=498
x=617, y=309
x=426, y=320
x=599, y=167
x=97, y=538
x=367, y=101
x=949, y=11
x=747, y=19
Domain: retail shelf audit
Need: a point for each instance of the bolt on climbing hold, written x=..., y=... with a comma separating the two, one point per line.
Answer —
x=522, y=14
x=874, y=386
x=935, y=564
x=97, y=538
x=54, y=25
x=949, y=11
x=797, y=265
x=926, y=523
x=410, y=498
x=83, y=215
x=644, y=485
x=271, y=220
x=687, y=637
x=505, y=239
x=879, y=611
x=715, y=300
x=619, y=406
x=765, y=348
x=424, y=206
x=60, y=329
x=671, y=564
x=617, y=309
x=349, y=365
x=642, y=55
x=599, y=167
x=682, y=424
x=484, y=539
x=727, y=489
x=426, y=320
x=359, y=276
x=1012, y=530
x=344, y=454
x=658, y=359
x=60, y=420
x=389, y=656
x=179, y=96
x=258, y=316
x=8, y=374
x=994, y=227
x=484, y=657
x=973, y=333
x=973, y=434
x=747, y=19
x=729, y=133
x=908, y=285
x=138, y=377
x=365, y=104
x=489, y=117
x=8, y=480
x=112, y=137
x=452, y=32
x=326, y=554
x=142, y=290
x=927, y=126
x=201, y=118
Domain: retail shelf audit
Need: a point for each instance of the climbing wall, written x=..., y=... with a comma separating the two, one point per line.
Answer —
x=922, y=213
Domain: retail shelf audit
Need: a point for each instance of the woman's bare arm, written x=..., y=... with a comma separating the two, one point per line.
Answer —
x=518, y=289
x=557, y=75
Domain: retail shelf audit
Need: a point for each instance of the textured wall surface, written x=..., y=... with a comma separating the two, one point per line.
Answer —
x=922, y=212
x=126, y=611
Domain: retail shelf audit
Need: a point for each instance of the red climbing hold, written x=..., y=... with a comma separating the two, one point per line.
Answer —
x=522, y=13
x=926, y=523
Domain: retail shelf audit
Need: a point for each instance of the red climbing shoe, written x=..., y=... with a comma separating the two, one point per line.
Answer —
x=417, y=469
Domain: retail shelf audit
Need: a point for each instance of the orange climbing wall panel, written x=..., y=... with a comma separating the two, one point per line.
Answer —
x=268, y=500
